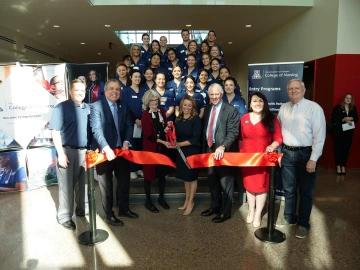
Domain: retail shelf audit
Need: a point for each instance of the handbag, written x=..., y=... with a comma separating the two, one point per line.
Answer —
x=331, y=125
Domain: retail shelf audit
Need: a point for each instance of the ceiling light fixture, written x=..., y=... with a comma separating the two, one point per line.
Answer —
x=230, y=42
x=248, y=25
x=99, y=53
x=188, y=25
x=56, y=26
x=82, y=43
x=107, y=25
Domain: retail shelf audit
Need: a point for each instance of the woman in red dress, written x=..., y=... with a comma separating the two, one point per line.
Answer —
x=154, y=127
x=260, y=132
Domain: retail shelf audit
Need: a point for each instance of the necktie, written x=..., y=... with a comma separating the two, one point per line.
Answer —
x=211, y=127
x=116, y=120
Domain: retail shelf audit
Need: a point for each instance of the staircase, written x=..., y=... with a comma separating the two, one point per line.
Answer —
x=175, y=192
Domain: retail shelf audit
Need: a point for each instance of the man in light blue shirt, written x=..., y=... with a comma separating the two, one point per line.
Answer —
x=303, y=128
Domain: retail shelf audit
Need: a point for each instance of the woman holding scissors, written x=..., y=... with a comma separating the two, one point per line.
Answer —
x=188, y=133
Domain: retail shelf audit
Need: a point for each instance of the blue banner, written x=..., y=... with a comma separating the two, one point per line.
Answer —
x=271, y=79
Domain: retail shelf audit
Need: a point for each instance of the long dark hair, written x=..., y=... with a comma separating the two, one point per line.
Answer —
x=13, y=160
x=97, y=81
x=267, y=117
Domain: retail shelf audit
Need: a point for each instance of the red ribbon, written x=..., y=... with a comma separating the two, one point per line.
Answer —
x=234, y=159
x=171, y=133
x=140, y=157
x=196, y=161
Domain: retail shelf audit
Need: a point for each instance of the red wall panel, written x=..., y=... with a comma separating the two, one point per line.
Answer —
x=347, y=80
x=335, y=76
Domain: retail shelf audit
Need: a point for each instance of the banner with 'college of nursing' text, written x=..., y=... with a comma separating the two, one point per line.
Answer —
x=271, y=79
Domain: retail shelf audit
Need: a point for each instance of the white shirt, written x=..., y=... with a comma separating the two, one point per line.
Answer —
x=303, y=124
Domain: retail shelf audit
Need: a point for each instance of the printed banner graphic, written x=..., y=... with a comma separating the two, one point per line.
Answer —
x=271, y=80
x=28, y=97
x=13, y=171
x=93, y=75
x=41, y=173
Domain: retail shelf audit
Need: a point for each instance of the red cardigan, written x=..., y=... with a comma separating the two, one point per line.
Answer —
x=150, y=144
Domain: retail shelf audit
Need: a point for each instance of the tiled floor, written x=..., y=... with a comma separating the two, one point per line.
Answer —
x=30, y=237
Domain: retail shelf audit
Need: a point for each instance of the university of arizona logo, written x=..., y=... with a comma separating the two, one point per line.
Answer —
x=256, y=74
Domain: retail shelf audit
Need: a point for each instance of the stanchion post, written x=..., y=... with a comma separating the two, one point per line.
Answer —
x=270, y=234
x=93, y=236
x=92, y=206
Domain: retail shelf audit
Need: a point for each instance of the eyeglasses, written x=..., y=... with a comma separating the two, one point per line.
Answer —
x=154, y=100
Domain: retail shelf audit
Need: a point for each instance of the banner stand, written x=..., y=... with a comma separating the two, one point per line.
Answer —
x=270, y=234
x=94, y=236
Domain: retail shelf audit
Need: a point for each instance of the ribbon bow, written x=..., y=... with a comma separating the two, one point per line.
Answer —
x=171, y=134
x=273, y=157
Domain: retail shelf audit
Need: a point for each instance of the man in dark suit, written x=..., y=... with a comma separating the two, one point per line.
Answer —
x=220, y=132
x=112, y=128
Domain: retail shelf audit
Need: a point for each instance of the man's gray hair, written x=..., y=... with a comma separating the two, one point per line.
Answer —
x=295, y=80
x=217, y=86
x=109, y=81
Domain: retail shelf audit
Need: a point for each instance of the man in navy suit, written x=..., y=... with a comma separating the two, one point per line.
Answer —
x=112, y=128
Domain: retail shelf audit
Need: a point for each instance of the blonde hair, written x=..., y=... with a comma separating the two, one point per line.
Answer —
x=193, y=109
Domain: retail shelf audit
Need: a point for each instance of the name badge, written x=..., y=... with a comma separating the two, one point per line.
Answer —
x=197, y=90
x=169, y=68
x=163, y=101
x=134, y=96
x=182, y=51
x=136, y=68
x=171, y=89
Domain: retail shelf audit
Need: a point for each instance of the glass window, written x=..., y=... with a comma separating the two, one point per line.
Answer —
x=129, y=37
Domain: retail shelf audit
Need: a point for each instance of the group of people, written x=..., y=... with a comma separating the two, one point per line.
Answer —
x=210, y=121
x=173, y=74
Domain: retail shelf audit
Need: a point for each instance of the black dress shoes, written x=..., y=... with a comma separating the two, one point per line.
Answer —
x=114, y=221
x=209, y=212
x=164, y=204
x=128, y=214
x=70, y=225
x=221, y=218
x=151, y=207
